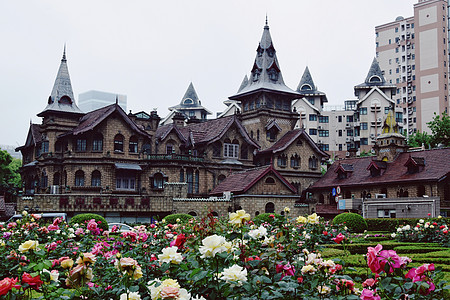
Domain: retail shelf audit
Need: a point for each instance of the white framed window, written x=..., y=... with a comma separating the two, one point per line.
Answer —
x=231, y=150
x=125, y=183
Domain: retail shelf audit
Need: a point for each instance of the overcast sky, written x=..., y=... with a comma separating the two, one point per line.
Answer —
x=151, y=50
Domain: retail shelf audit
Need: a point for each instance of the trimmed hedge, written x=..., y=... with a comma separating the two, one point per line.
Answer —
x=415, y=249
x=354, y=222
x=172, y=219
x=391, y=225
x=82, y=218
x=362, y=248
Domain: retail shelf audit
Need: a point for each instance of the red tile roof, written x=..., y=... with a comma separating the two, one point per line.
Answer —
x=92, y=119
x=244, y=180
x=212, y=130
x=437, y=165
x=287, y=139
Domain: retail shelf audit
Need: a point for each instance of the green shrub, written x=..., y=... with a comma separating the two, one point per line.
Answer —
x=82, y=218
x=354, y=222
x=266, y=217
x=415, y=249
x=391, y=225
x=172, y=219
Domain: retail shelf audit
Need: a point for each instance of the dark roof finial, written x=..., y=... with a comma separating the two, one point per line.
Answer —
x=64, y=53
x=117, y=99
x=267, y=23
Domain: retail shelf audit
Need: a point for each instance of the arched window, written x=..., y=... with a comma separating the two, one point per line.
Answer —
x=133, y=145
x=295, y=161
x=192, y=213
x=118, y=143
x=181, y=175
x=79, y=178
x=158, y=181
x=190, y=180
x=65, y=100
x=270, y=207
x=44, y=179
x=270, y=180
x=56, y=178
x=97, y=142
x=420, y=191
x=96, y=178
x=197, y=182
x=282, y=160
x=147, y=148
x=313, y=162
x=257, y=135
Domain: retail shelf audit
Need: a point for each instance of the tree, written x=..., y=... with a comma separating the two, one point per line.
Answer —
x=419, y=138
x=440, y=129
x=10, y=181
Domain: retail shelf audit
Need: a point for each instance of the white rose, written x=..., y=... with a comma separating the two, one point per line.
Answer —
x=235, y=274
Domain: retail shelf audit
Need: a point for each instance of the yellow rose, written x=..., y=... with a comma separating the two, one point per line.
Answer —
x=287, y=210
x=239, y=217
x=86, y=258
x=313, y=219
x=301, y=219
x=67, y=263
x=28, y=245
x=137, y=273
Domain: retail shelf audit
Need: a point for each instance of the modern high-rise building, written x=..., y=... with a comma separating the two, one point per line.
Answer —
x=413, y=54
x=92, y=100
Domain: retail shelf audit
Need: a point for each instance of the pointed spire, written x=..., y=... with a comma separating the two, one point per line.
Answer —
x=375, y=75
x=64, y=53
x=62, y=99
x=244, y=83
x=306, y=83
x=190, y=94
x=266, y=72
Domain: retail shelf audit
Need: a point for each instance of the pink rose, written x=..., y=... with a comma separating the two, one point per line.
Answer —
x=170, y=292
x=369, y=295
x=389, y=257
x=372, y=259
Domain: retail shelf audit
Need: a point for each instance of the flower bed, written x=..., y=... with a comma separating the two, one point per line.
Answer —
x=202, y=259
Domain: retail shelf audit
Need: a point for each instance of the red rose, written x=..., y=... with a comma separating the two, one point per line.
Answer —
x=33, y=282
x=325, y=232
x=6, y=285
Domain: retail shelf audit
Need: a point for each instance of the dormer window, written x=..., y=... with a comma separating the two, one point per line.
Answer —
x=375, y=79
x=273, y=74
x=260, y=51
x=256, y=74
x=344, y=170
x=415, y=164
x=271, y=51
x=65, y=100
x=376, y=166
x=306, y=87
x=188, y=101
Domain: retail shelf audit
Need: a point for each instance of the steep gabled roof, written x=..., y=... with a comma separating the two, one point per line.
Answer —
x=33, y=137
x=373, y=90
x=437, y=167
x=213, y=130
x=266, y=62
x=377, y=164
x=94, y=118
x=344, y=168
x=307, y=87
x=61, y=98
x=244, y=83
x=240, y=182
x=416, y=161
x=374, y=77
x=190, y=101
x=291, y=136
x=163, y=131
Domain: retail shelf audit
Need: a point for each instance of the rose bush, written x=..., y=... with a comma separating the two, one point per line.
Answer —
x=207, y=258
